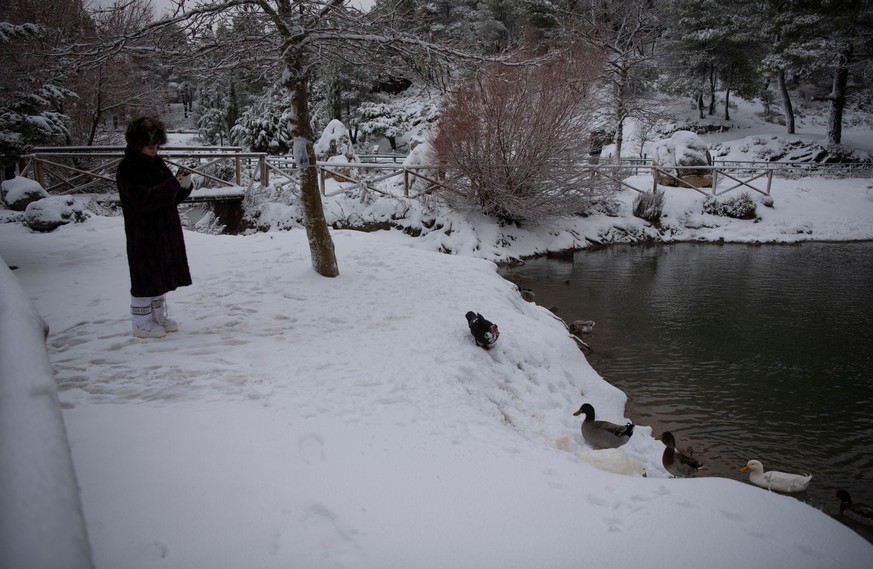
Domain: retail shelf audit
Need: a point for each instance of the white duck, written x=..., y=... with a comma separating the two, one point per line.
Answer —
x=613, y=460
x=581, y=326
x=775, y=480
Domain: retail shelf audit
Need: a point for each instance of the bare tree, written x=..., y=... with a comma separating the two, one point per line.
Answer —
x=625, y=32
x=124, y=80
x=512, y=145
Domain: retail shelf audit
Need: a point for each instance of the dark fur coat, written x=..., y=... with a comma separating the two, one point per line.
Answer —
x=155, y=245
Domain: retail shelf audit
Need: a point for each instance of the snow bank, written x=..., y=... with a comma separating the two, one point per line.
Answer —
x=41, y=520
x=297, y=421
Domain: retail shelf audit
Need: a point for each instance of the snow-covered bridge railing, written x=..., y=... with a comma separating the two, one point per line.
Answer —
x=42, y=524
x=757, y=179
x=368, y=174
x=70, y=170
x=420, y=178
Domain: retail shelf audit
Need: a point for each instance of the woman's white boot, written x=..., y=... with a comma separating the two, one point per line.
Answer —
x=141, y=315
x=159, y=314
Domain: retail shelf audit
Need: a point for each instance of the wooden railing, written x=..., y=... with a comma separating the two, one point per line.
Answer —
x=69, y=170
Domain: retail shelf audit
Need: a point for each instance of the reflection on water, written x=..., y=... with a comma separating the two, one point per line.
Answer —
x=743, y=352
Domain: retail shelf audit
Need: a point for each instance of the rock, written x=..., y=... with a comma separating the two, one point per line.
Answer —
x=684, y=149
x=19, y=192
x=335, y=145
x=697, y=181
x=50, y=213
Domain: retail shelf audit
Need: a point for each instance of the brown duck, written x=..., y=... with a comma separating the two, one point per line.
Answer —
x=678, y=464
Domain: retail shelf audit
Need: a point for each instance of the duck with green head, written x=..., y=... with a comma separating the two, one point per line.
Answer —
x=603, y=434
x=855, y=511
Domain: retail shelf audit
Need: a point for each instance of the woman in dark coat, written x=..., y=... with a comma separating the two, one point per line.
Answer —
x=150, y=194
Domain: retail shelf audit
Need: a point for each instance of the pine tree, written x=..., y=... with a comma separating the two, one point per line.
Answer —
x=28, y=115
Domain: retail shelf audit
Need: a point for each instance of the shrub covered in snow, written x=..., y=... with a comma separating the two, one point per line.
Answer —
x=740, y=206
x=649, y=206
x=510, y=145
x=19, y=192
x=50, y=213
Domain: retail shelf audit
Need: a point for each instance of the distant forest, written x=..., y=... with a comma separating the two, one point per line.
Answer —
x=249, y=72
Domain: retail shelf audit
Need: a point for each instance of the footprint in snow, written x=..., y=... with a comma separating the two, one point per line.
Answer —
x=311, y=448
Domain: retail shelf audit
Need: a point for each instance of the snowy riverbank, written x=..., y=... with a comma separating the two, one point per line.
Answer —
x=296, y=420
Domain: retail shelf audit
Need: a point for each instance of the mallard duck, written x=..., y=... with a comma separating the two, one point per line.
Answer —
x=775, y=480
x=603, y=434
x=859, y=512
x=581, y=326
x=678, y=464
x=613, y=460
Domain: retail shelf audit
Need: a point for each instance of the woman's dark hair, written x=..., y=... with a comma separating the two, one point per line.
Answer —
x=145, y=131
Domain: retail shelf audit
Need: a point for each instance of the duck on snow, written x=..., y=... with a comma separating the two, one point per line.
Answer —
x=603, y=434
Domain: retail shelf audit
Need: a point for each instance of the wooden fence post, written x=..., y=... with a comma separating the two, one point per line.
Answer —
x=38, y=170
x=265, y=171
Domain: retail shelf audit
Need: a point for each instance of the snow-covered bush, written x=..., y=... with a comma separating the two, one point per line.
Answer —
x=649, y=206
x=19, y=192
x=50, y=213
x=741, y=206
x=510, y=147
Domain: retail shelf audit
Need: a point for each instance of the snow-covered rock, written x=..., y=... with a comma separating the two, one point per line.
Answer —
x=19, y=192
x=683, y=149
x=50, y=213
x=335, y=142
x=335, y=146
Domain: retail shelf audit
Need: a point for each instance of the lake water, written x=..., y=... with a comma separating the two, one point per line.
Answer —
x=742, y=352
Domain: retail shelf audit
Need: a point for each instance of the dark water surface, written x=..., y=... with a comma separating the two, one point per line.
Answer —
x=743, y=352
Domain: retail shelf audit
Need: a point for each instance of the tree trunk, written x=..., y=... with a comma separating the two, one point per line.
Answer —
x=336, y=101
x=700, y=105
x=620, y=114
x=838, y=98
x=321, y=246
x=727, y=100
x=787, y=108
x=618, y=139
x=711, y=91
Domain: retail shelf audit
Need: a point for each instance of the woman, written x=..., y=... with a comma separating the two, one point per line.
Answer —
x=155, y=245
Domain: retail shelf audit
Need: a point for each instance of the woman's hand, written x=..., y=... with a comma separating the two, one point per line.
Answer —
x=184, y=178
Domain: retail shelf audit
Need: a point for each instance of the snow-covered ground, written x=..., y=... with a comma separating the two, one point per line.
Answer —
x=298, y=421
